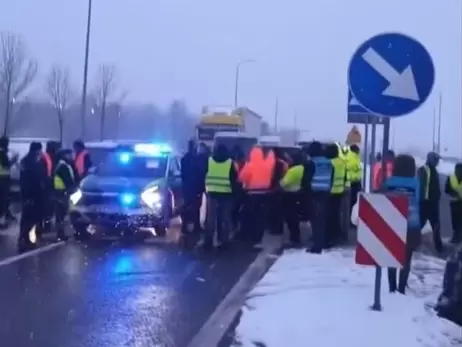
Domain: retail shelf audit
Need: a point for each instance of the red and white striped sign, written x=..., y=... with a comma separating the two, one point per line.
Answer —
x=382, y=230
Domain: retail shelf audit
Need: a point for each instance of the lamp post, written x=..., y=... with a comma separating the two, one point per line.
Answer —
x=236, y=82
x=85, y=70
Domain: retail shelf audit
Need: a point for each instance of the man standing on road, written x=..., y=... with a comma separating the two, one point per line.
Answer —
x=64, y=184
x=33, y=179
x=454, y=190
x=256, y=177
x=403, y=182
x=321, y=185
x=82, y=160
x=334, y=226
x=193, y=180
x=354, y=171
x=50, y=161
x=430, y=195
x=219, y=182
x=295, y=179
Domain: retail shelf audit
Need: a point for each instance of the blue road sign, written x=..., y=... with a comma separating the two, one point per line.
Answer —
x=391, y=74
x=358, y=114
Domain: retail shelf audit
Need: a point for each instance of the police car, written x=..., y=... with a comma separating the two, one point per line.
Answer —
x=133, y=190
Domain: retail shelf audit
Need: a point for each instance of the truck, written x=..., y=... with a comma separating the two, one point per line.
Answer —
x=227, y=119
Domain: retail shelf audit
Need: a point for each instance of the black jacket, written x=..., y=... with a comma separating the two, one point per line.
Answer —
x=193, y=171
x=33, y=178
x=309, y=169
x=434, y=190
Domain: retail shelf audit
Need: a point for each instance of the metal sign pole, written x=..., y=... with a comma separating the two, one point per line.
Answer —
x=366, y=159
x=377, y=306
x=373, y=139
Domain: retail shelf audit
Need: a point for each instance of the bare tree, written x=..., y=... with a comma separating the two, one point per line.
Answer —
x=105, y=89
x=59, y=91
x=17, y=71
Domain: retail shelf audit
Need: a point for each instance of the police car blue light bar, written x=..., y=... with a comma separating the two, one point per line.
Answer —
x=152, y=148
x=125, y=157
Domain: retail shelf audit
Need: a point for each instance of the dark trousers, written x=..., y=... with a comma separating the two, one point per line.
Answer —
x=190, y=213
x=61, y=209
x=400, y=283
x=333, y=227
x=218, y=218
x=236, y=213
x=355, y=188
x=456, y=220
x=31, y=216
x=49, y=207
x=291, y=210
x=430, y=211
x=254, y=217
x=319, y=213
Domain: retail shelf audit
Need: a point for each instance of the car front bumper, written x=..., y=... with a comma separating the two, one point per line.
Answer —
x=114, y=218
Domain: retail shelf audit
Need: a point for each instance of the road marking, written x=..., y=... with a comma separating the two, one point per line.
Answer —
x=214, y=329
x=32, y=253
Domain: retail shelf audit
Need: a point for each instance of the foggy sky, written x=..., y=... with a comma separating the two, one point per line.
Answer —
x=189, y=49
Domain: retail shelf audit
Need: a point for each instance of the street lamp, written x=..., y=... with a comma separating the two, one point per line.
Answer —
x=236, y=82
x=85, y=69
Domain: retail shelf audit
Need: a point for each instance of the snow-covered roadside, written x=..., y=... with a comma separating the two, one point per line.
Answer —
x=323, y=300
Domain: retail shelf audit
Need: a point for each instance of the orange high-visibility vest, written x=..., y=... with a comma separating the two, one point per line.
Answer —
x=377, y=174
x=48, y=163
x=257, y=172
x=80, y=162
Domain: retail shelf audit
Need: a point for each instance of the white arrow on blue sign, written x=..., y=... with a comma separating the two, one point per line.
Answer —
x=391, y=75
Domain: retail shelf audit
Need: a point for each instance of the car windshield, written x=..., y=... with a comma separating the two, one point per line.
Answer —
x=128, y=164
x=98, y=154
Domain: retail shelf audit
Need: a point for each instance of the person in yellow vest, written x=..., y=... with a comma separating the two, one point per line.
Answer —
x=220, y=182
x=292, y=183
x=334, y=225
x=430, y=196
x=354, y=174
x=64, y=183
x=454, y=190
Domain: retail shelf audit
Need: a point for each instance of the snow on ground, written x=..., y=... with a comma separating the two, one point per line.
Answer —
x=323, y=301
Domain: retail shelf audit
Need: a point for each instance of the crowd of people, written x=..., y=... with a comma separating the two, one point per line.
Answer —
x=264, y=190
x=47, y=178
x=267, y=189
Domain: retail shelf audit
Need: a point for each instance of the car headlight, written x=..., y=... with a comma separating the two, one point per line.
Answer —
x=152, y=197
x=75, y=197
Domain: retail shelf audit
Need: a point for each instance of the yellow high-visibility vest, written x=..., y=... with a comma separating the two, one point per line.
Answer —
x=292, y=180
x=338, y=184
x=456, y=185
x=58, y=182
x=217, y=179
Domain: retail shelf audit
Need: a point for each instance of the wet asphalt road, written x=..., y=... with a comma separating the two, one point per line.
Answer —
x=108, y=294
